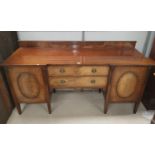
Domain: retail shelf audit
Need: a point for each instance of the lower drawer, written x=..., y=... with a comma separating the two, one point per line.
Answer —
x=78, y=82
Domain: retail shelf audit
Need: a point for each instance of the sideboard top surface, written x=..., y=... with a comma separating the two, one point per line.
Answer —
x=34, y=53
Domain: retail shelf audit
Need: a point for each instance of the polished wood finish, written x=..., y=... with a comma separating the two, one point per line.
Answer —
x=78, y=71
x=62, y=70
x=115, y=67
x=71, y=44
x=78, y=82
x=78, y=76
x=93, y=70
x=112, y=54
x=127, y=83
x=28, y=85
x=149, y=94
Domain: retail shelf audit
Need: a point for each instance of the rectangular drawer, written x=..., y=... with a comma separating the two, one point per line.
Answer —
x=81, y=82
x=93, y=70
x=78, y=70
x=62, y=70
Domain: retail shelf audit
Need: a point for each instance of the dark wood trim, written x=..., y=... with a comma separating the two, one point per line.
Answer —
x=5, y=95
x=45, y=78
x=13, y=93
x=137, y=103
x=68, y=44
x=108, y=89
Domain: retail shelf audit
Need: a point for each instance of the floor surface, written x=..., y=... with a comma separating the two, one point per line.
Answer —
x=80, y=107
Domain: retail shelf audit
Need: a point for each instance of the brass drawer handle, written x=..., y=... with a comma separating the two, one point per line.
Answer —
x=62, y=81
x=62, y=70
x=94, y=70
x=93, y=81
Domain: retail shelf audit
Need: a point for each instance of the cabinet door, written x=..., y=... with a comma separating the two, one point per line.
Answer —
x=28, y=84
x=127, y=84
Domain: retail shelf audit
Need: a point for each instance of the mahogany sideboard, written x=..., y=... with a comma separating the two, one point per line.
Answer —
x=117, y=68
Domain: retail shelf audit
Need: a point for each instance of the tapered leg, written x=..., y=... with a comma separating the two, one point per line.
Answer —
x=136, y=107
x=18, y=108
x=100, y=90
x=49, y=108
x=105, y=107
x=54, y=90
x=81, y=90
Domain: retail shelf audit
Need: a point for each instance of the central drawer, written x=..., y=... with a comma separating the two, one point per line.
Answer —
x=78, y=82
x=62, y=70
x=78, y=70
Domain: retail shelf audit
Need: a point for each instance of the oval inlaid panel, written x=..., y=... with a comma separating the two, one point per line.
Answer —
x=28, y=85
x=126, y=85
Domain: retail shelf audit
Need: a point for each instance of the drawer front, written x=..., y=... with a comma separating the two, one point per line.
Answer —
x=81, y=82
x=93, y=70
x=78, y=71
x=61, y=70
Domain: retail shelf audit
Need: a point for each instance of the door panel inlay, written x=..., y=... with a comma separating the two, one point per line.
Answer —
x=126, y=85
x=28, y=85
